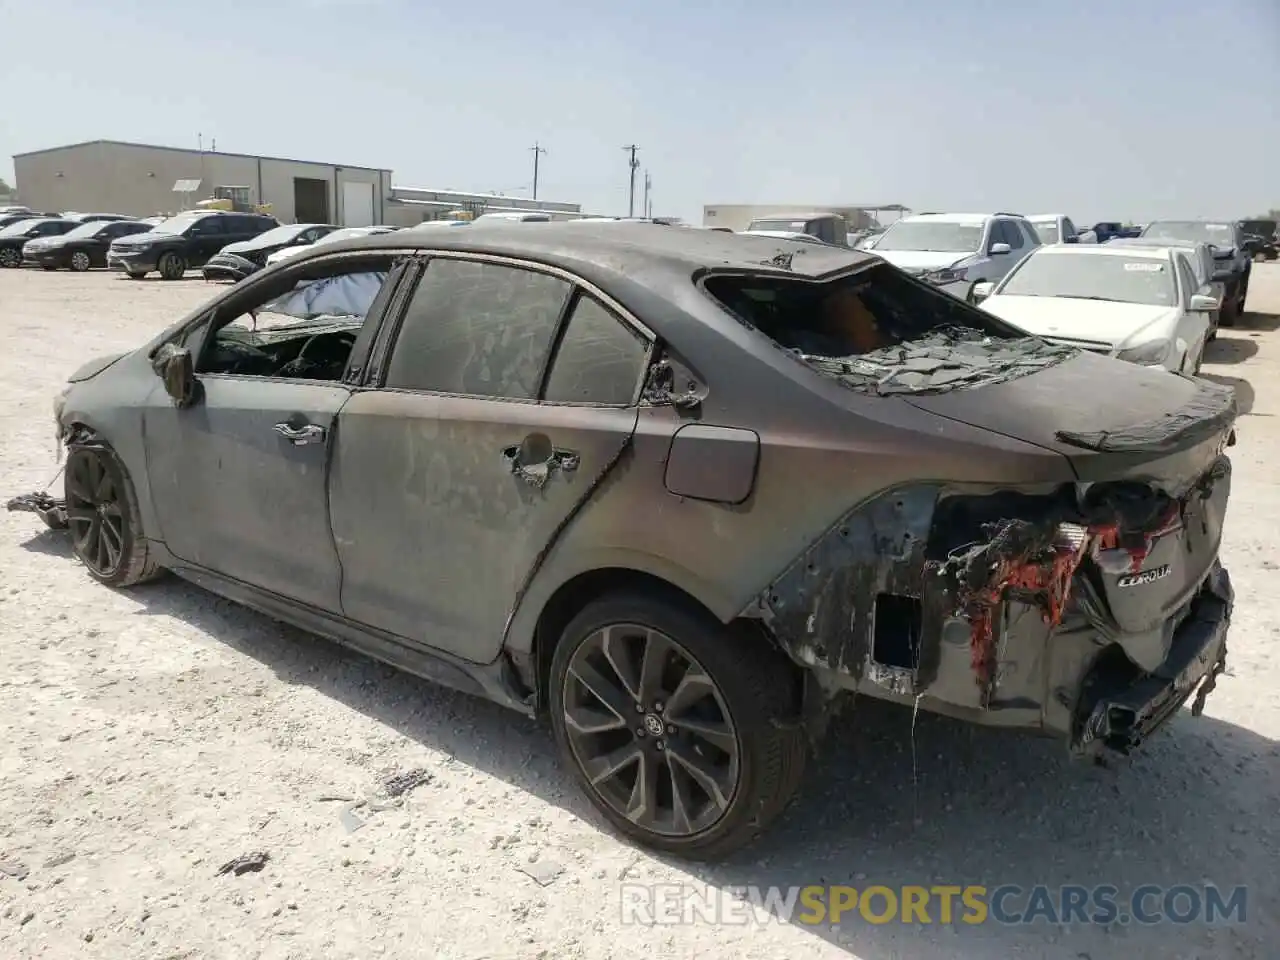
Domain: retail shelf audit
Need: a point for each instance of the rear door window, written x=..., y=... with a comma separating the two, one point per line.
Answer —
x=600, y=358
x=477, y=329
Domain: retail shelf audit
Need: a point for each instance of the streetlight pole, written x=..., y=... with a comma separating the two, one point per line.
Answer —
x=633, y=164
x=538, y=150
x=648, y=203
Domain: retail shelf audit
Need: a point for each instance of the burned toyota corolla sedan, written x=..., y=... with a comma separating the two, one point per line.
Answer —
x=683, y=491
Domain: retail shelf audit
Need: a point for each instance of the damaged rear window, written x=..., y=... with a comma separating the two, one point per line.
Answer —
x=879, y=332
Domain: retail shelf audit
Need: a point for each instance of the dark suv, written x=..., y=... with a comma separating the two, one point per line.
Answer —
x=184, y=241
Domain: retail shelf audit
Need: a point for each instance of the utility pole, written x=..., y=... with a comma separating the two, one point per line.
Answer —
x=634, y=165
x=538, y=150
x=648, y=203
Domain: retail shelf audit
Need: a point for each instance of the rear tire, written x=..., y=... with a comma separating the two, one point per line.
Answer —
x=104, y=520
x=10, y=258
x=172, y=266
x=80, y=261
x=698, y=759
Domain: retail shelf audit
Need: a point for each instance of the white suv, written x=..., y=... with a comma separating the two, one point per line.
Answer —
x=946, y=248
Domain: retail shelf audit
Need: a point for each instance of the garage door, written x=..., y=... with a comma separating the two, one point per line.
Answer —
x=357, y=205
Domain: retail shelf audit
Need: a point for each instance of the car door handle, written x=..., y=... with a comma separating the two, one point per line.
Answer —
x=300, y=435
x=534, y=460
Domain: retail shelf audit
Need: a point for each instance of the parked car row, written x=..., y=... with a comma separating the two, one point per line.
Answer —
x=20, y=229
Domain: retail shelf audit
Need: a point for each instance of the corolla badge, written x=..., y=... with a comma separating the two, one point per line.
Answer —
x=1145, y=577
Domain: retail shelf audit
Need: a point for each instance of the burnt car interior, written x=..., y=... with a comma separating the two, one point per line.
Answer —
x=853, y=315
x=298, y=325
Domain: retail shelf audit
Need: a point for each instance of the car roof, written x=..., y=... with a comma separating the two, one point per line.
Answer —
x=627, y=252
x=1103, y=250
x=1040, y=217
x=1206, y=221
x=971, y=218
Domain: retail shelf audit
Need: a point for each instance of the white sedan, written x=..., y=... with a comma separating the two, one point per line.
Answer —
x=1141, y=304
x=346, y=233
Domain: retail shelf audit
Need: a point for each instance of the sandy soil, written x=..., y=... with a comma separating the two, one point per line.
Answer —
x=150, y=736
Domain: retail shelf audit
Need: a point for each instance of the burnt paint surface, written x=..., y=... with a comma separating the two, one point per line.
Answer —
x=713, y=463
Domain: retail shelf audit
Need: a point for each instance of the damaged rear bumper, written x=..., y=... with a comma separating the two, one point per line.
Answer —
x=49, y=509
x=1122, y=720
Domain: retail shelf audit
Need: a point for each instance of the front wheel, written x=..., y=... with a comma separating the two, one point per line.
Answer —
x=103, y=517
x=683, y=733
x=172, y=266
x=10, y=258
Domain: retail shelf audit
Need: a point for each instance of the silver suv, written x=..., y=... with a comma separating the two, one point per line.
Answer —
x=949, y=248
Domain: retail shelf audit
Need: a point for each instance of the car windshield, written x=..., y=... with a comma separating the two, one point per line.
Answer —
x=90, y=229
x=179, y=224
x=1046, y=230
x=778, y=226
x=931, y=235
x=290, y=231
x=1219, y=234
x=19, y=228
x=1094, y=277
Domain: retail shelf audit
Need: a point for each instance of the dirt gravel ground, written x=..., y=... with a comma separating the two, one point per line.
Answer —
x=150, y=736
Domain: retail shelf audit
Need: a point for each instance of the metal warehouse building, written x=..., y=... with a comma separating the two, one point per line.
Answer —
x=138, y=179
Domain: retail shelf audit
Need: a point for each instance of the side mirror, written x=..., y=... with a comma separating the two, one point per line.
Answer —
x=1000, y=249
x=174, y=365
x=1205, y=302
x=981, y=291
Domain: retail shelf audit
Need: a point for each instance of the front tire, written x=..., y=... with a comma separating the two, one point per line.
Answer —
x=683, y=733
x=10, y=258
x=172, y=266
x=103, y=517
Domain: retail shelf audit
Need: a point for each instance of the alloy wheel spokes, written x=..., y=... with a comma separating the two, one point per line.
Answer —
x=651, y=730
x=95, y=517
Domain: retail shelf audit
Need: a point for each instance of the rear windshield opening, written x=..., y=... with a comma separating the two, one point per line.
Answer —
x=881, y=333
x=873, y=309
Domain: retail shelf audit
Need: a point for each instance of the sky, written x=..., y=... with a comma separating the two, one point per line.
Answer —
x=1100, y=109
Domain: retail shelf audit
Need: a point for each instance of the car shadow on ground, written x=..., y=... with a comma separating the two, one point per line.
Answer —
x=894, y=799
x=156, y=278
x=1260, y=322
x=1229, y=349
x=1243, y=388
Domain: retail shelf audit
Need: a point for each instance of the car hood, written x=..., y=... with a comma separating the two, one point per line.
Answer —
x=94, y=367
x=1097, y=321
x=144, y=239
x=1109, y=418
x=255, y=246
x=919, y=260
x=285, y=253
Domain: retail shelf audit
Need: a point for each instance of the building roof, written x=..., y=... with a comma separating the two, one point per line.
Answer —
x=210, y=153
x=625, y=250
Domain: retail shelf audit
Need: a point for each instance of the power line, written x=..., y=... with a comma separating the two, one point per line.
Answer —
x=633, y=164
x=538, y=150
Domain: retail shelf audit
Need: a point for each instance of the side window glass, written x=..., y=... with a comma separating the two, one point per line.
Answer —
x=1187, y=277
x=1029, y=233
x=1068, y=228
x=600, y=360
x=1012, y=235
x=997, y=234
x=478, y=329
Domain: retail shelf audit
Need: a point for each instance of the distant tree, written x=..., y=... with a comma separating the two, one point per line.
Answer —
x=4, y=186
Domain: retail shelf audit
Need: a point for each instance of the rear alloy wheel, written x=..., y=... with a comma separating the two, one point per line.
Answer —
x=172, y=266
x=80, y=261
x=682, y=733
x=10, y=258
x=102, y=515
